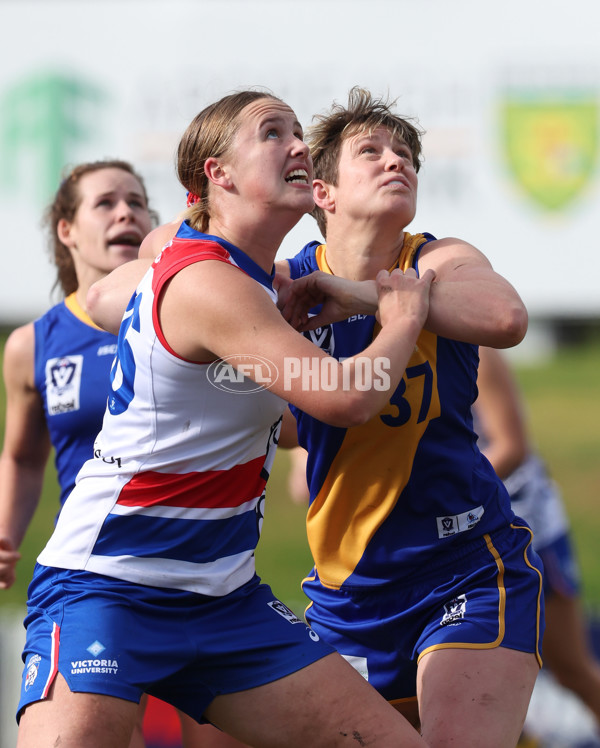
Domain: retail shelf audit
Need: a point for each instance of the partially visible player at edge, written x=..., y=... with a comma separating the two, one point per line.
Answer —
x=501, y=422
x=56, y=369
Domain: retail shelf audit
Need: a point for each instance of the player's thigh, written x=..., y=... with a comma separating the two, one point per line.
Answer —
x=73, y=720
x=474, y=697
x=325, y=704
x=409, y=709
x=137, y=737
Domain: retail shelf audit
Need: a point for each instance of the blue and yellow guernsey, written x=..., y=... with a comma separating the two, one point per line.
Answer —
x=72, y=365
x=391, y=498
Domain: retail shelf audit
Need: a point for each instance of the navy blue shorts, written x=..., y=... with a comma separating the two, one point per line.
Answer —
x=112, y=637
x=489, y=597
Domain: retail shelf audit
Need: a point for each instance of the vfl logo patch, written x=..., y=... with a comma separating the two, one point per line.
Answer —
x=454, y=610
x=322, y=337
x=454, y=523
x=284, y=611
x=33, y=667
x=63, y=384
x=447, y=524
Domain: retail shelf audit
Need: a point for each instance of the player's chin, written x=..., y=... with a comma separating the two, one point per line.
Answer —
x=304, y=196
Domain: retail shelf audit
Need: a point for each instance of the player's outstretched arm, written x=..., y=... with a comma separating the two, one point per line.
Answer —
x=25, y=451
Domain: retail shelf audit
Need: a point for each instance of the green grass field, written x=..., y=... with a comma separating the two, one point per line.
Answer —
x=563, y=400
x=562, y=397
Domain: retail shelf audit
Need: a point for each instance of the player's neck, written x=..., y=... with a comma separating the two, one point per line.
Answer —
x=259, y=239
x=359, y=257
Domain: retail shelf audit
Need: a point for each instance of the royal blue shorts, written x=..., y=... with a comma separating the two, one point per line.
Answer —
x=112, y=637
x=486, y=597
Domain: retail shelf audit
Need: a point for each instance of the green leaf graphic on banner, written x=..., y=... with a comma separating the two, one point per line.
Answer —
x=551, y=143
x=42, y=119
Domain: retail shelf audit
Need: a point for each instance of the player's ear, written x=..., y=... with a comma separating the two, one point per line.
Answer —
x=324, y=195
x=63, y=231
x=217, y=172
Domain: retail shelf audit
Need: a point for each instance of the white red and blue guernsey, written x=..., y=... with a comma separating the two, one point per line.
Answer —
x=174, y=495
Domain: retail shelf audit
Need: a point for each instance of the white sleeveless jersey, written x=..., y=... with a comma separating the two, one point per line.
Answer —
x=174, y=495
x=536, y=498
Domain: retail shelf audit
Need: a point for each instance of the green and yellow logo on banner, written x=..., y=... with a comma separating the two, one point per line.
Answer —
x=551, y=143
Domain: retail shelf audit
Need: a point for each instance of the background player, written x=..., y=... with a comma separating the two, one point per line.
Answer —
x=56, y=369
x=504, y=439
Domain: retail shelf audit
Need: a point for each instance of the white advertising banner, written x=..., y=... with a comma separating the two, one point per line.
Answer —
x=508, y=95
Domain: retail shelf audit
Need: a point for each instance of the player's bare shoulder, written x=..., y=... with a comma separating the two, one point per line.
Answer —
x=19, y=353
x=157, y=239
x=450, y=253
